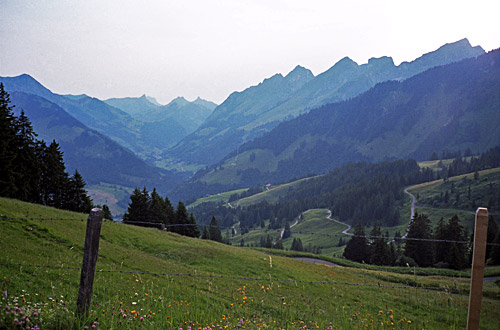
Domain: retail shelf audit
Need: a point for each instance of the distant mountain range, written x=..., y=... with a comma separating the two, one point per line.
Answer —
x=287, y=126
x=182, y=116
x=144, y=136
x=258, y=109
x=98, y=158
x=451, y=107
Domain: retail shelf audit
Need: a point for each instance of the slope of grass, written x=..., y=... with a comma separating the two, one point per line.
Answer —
x=204, y=284
x=272, y=195
x=431, y=196
x=221, y=197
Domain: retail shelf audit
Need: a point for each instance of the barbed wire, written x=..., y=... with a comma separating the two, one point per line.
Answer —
x=287, y=280
x=159, y=224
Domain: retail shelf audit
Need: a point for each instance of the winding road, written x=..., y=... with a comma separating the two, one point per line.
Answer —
x=345, y=232
x=413, y=206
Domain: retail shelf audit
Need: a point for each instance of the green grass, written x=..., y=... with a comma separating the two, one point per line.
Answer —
x=430, y=196
x=272, y=195
x=221, y=197
x=344, y=298
x=316, y=230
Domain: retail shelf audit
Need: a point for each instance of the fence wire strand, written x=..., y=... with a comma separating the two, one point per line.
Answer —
x=158, y=224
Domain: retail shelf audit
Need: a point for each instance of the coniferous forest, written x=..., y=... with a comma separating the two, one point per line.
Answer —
x=31, y=170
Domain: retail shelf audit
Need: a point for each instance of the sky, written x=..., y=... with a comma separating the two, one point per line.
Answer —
x=211, y=48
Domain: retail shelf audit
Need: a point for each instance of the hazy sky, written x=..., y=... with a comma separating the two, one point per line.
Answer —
x=165, y=48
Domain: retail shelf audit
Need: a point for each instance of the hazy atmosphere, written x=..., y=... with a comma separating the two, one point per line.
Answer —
x=211, y=48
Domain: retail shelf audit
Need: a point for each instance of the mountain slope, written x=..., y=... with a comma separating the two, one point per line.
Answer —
x=258, y=109
x=452, y=107
x=97, y=158
x=165, y=125
x=143, y=138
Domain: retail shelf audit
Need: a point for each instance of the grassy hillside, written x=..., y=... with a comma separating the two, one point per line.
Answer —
x=221, y=197
x=431, y=196
x=205, y=284
x=271, y=195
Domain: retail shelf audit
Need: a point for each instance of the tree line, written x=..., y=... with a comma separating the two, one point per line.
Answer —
x=451, y=248
x=31, y=170
x=150, y=209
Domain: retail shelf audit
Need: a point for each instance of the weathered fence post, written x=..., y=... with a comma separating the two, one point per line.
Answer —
x=476, y=281
x=90, y=252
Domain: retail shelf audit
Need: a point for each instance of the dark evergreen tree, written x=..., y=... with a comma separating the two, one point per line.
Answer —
x=76, y=198
x=169, y=211
x=440, y=248
x=7, y=147
x=205, y=234
x=287, y=232
x=138, y=208
x=495, y=251
x=157, y=209
x=379, y=251
x=456, y=252
x=214, y=230
x=27, y=166
x=55, y=180
x=269, y=242
x=490, y=236
x=106, y=212
x=357, y=248
x=181, y=219
x=192, y=229
x=418, y=250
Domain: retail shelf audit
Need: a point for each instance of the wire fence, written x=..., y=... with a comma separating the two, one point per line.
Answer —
x=342, y=234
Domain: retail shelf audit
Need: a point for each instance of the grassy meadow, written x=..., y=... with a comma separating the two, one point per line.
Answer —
x=151, y=279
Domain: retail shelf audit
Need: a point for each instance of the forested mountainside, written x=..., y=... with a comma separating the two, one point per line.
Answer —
x=97, y=157
x=256, y=110
x=445, y=108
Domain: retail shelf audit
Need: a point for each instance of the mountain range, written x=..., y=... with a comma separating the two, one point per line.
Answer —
x=246, y=115
x=98, y=158
x=145, y=138
x=285, y=127
x=450, y=107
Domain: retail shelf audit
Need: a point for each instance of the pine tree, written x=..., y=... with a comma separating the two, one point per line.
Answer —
x=7, y=149
x=455, y=255
x=495, y=251
x=420, y=251
x=138, y=208
x=206, y=234
x=357, y=248
x=55, y=180
x=169, y=211
x=440, y=233
x=269, y=242
x=214, y=230
x=287, y=232
x=181, y=219
x=379, y=253
x=157, y=208
x=26, y=166
x=106, y=212
x=192, y=229
x=76, y=198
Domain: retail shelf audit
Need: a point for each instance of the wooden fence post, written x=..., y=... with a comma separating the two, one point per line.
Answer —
x=477, y=273
x=90, y=252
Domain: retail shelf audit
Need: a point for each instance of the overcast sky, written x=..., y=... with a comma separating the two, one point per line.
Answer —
x=164, y=48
